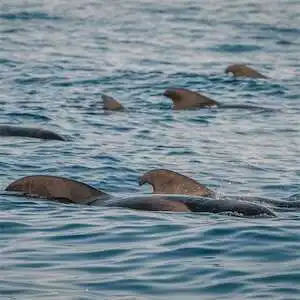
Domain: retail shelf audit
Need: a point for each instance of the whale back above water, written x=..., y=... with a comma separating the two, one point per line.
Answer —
x=39, y=133
x=150, y=203
x=185, y=203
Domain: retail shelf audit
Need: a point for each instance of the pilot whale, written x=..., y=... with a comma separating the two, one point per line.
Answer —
x=66, y=190
x=39, y=133
x=186, y=99
x=164, y=181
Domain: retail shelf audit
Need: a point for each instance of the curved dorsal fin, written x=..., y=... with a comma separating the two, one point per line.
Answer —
x=169, y=182
x=240, y=70
x=184, y=99
x=55, y=188
x=110, y=103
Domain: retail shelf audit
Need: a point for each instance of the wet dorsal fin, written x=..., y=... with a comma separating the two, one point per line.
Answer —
x=110, y=103
x=184, y=99
x=169, y=182
x=240, y=70
x=55, y=188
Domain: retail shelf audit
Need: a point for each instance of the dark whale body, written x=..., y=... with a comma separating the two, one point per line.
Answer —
x=165, y=181
x=187, y=99
x=186, y=203
x=66, y=190
x=8, y=130
x=270, y=202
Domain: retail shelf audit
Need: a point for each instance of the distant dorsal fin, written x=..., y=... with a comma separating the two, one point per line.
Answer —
x=240, y=70
x=110, y=103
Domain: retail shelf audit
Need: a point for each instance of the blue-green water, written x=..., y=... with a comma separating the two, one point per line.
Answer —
x=56, y=59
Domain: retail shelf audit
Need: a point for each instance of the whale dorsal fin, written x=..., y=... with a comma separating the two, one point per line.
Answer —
x=110, y=103
x=169, y=182
x=55, y=188
x=184, y=99
x=240, y=70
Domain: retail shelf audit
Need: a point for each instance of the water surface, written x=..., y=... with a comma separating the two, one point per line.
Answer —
x=57, y=58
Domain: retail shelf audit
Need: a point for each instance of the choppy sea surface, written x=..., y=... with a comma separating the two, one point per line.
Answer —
x=58, y=57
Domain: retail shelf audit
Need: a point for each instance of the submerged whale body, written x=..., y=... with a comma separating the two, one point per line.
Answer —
x=66, y=190
x=18, y=131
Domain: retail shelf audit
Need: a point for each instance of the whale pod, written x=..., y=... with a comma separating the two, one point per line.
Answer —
x=66, y=190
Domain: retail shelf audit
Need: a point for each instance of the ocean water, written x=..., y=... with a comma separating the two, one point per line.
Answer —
x=58, y=57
